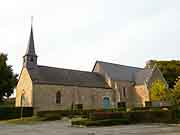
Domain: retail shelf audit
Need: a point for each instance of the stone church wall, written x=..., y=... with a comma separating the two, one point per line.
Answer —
x=141, y=95
x=120, y=96
x=91, y=98
x=24, y=88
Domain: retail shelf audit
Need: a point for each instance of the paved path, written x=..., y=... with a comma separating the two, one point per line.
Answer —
x=63, y=128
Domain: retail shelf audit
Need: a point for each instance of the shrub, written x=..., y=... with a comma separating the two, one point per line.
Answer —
x=106, y=122
x=152, y=116
x=67, y=113
x=78, y=106
x=121, y=104
x=50, y=117
x=14, y=112
x=107, y=115
x=148, y=103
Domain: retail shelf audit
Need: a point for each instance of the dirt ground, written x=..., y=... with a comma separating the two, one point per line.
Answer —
x=64, y=128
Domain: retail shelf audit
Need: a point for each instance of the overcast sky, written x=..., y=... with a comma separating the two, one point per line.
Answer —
x=75, y=33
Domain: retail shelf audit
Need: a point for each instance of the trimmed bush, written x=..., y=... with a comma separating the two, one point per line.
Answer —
x=160, y=116
x=106, y=122
x=150, y=108
x=67, y=113
x=152, y=117
x=107, y=115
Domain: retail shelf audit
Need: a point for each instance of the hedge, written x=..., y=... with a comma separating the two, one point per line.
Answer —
x=107, y=115
x=150, y=108
x=68, y=113
x=15, y=112
x=71, y=113
x=152, y=116
x=160, y=116
x=106, y=122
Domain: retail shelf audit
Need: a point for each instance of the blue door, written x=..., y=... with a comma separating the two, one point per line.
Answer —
x=106, y=103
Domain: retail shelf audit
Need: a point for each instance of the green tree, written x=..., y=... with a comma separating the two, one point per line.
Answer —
x=7, y=78
x=176, y=93
x=159, y=91
x=169, y=69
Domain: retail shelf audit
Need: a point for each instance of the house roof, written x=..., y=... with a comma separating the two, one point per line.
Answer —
x=60, y=76
x=125, y=73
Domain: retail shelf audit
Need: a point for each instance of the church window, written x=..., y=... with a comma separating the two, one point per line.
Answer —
x=124, y=92
x=58, y=97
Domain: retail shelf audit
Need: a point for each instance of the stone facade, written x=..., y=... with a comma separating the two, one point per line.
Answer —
x=91, y=98
x=24, y=87
x=141, y=95
x=43, y=97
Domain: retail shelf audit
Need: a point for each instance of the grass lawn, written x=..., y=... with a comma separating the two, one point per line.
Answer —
x=27, y=120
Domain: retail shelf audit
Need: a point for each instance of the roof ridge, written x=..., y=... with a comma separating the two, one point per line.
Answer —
x=119, y=64
x=65, y=69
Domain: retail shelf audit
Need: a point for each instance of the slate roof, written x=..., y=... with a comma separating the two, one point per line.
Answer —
x=142, y=76
x=60, y=76
x=125, y=73
x=30, y=48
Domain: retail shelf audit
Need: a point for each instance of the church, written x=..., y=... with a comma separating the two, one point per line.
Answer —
x=108, y=85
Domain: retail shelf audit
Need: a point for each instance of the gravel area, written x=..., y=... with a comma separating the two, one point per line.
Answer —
x=64, y=128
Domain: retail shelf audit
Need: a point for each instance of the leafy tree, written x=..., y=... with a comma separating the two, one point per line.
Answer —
x=169, y=69
x=159, y=91
x=176, y=93
x=7, y=78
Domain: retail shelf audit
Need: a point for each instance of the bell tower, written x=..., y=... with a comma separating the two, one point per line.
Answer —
x=30, y=57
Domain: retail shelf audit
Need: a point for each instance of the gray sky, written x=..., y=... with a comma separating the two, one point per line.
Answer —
x=75, y=33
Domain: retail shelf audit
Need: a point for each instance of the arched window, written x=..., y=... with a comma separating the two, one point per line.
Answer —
x=58, y=97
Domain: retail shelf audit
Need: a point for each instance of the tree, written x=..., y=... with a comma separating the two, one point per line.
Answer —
x=159, y=91
x=176, y=92
x=169, y=69
x=7, y=78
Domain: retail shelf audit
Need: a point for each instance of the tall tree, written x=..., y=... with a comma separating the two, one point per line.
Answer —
x=7, y=78
x=169, y=69
x=176, y=93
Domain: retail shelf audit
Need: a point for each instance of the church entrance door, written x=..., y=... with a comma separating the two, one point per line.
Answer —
x=106, y=103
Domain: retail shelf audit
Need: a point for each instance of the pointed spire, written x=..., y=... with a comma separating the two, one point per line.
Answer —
x=30, y=57
x=30, y=48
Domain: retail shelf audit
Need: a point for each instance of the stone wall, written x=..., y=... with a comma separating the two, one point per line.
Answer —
x=141, y=95
x=91, y=98
x=120, y=96
x=135, y=95
x=24, y=87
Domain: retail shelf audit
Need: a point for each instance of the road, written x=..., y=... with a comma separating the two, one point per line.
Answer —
x=64, y=128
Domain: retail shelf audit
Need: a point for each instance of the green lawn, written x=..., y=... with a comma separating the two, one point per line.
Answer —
x=27, y=120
